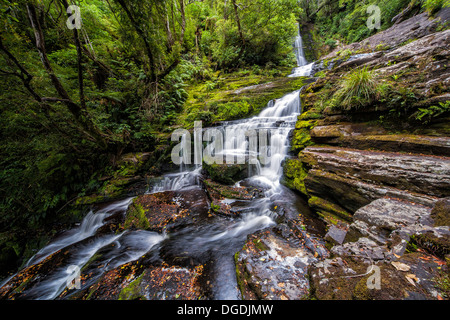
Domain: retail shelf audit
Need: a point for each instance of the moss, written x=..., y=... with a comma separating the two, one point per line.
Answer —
x=136, y=217
x=439, y=246
x=442, y=283
x=242, y=94
x=260, y=245
x=329, y=211
x=310, y=115
x=441, y=213
x=302, y=138
x=294, y=175
x=224, y=173
x=133, y=290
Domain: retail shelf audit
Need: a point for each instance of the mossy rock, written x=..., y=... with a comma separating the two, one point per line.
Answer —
x=302, y=138
x=165, y=282
x=310, y=115
x=294, y=176
x=436, y=245
x=441, y=213
x=243, y=95
x=226, y=173
x=331, y=212
x=136, y=217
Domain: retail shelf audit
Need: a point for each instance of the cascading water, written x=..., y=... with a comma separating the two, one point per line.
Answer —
x=220, y=238
x=303, y=68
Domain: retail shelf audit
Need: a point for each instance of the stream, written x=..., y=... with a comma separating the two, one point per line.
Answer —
x=210, y=240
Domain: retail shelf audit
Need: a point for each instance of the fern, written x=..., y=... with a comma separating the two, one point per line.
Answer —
x=427, y=114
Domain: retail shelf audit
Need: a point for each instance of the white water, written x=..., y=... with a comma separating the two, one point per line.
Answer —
x=303, y=68
x=88, y=227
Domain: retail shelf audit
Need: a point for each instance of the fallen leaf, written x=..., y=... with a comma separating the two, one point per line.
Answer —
x=411, y=281
x=400, y=266
x=412, y=278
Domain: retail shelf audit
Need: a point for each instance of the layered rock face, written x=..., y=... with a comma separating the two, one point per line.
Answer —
x=378, y=176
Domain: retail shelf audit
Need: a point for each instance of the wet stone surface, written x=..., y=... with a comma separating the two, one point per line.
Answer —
x=273, y=265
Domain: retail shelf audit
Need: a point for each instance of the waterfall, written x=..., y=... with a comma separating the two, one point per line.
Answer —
x=261, y=141
x=303, y=68
x=301, y=60
x=90, y=224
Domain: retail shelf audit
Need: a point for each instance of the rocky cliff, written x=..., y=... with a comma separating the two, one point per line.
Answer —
x=377, y=170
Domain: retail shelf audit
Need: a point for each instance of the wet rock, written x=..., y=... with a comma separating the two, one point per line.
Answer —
x=24, y=284
x=168, y=209
x=352, y=277
x=366, y=136
x=165, y=283
x=230, y=200
x=108, y=286
x=331, y=212
x=352, y=194
x=336, y=234
x=226, y=173
x=364, y=247
x=391, y=214
x=273, y=265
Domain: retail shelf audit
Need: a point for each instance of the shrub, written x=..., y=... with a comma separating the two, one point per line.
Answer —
x=357, y=89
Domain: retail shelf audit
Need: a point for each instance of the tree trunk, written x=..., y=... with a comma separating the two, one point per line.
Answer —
x=152, y=67
x=183, y=20
x=76, y=39
x=73, y=108
x=238, y=21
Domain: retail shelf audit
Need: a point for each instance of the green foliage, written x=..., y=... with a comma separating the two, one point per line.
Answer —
x=346, y=21
x=260, y=32
x=426, y=115
x=442, y=283
x=358, y=89
x=433, y=6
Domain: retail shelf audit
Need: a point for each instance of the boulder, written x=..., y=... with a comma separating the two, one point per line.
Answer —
x=391, y=214
x=166, y=210
x=227, y=174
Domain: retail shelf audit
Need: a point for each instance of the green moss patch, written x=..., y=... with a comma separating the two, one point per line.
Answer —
x=294, y=175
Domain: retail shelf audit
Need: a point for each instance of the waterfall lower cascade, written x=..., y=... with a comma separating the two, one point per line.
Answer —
x=221, y=238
